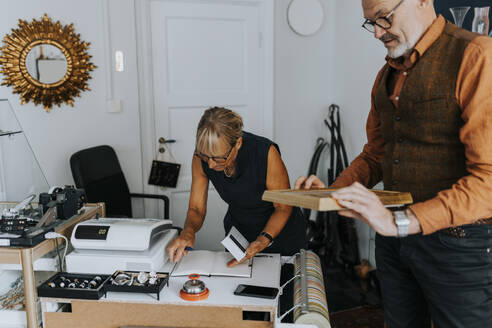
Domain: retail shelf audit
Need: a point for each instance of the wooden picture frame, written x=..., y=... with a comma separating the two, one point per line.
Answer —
x=321, y=200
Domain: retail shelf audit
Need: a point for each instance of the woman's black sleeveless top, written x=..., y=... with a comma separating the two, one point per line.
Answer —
x=243, y=192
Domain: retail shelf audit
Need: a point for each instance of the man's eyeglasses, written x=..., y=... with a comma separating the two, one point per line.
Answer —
x=382, y=22
x=216, y=159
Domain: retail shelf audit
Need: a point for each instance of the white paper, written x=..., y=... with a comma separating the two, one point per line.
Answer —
x=210, y=263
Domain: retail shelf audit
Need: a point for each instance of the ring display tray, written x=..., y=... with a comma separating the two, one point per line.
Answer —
x=133, y=286
x=85, y=286
x=321, y=200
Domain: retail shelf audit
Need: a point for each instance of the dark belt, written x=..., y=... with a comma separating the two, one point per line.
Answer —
x=459, y=232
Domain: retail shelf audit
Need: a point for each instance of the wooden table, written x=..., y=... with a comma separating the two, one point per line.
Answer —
x=27, y=255
x=222, y=309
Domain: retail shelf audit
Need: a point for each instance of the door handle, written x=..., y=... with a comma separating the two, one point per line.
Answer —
x=165, y=141
x=162, y=142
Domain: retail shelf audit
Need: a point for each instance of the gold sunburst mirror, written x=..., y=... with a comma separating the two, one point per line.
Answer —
x=45, y=62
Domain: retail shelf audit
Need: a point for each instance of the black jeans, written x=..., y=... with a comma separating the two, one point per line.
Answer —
x=439, y=277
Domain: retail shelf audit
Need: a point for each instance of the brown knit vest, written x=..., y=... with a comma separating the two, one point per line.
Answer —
x=423, y=152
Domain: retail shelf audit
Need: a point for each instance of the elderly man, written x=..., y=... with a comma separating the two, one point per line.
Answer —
x=429, y=132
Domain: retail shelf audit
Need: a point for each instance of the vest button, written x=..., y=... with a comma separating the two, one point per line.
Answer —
x=398, y=118
x=400, y=140
x=396, y=161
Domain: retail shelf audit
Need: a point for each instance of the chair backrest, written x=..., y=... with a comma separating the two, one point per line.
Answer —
x=98, y=171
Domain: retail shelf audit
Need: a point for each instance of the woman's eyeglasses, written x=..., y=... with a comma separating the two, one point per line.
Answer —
x=216, y=159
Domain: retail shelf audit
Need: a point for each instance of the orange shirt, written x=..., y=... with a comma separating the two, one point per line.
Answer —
x=470, y=198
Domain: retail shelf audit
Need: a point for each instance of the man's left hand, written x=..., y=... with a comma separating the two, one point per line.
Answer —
x=255, y=247
x=363, y=204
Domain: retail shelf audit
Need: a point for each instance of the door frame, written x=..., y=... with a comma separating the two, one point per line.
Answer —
x=148, y=136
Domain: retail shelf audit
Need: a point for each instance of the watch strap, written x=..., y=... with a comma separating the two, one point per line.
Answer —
x=402, y=222
x=268, y=236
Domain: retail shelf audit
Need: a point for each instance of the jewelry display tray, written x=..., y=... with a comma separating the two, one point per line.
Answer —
x=44, y=290
x=163, y=279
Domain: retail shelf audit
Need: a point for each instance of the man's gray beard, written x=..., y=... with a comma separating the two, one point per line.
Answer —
x=405, y=48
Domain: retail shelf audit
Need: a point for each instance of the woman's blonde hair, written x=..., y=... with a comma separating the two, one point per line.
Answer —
x=218, y=122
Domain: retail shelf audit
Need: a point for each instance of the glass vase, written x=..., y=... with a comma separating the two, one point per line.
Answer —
x=481, y=20
x=459, y=14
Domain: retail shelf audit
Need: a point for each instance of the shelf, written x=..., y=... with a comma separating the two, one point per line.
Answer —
x=12, y=318
x=8, y=133
x=27, y=256
x=41, y=264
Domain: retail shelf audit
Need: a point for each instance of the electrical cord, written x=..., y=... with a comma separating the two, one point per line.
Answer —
x=59, y=257
x=54, y=235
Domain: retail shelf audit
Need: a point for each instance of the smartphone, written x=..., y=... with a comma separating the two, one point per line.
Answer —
x=256, y=291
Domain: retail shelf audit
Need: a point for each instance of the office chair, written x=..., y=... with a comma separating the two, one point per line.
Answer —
x=98, y=171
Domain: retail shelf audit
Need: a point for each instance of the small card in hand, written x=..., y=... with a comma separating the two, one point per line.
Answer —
x=236, y=244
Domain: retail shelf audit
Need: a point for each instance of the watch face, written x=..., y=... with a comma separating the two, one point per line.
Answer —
x=401, y=218
x=404, y=221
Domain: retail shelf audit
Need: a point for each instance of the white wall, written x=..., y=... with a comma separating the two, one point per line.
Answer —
x=358, y=58
x=56, y=135
x=303, y=87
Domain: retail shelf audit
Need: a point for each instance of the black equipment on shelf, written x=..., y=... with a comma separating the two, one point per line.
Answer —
x=67, y=201
x=21, y=225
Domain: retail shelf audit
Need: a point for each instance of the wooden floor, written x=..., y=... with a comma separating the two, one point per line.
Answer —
x=361, y=317
x=350, y=306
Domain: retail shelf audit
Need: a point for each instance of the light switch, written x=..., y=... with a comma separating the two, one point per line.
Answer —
x=113, y=106
x=119, y=61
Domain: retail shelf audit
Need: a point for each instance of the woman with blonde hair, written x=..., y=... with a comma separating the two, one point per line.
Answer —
x=241, y=166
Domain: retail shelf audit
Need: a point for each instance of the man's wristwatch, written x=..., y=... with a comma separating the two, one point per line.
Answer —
x=402, y=222
x=267, y=236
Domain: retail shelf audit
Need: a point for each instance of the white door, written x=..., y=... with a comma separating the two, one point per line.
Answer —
x=203, y=54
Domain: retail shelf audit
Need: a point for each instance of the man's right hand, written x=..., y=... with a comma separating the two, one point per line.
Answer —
x=176, y=250
x=308, y=183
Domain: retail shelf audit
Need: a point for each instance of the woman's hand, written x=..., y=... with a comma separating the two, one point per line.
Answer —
x=176, y=250
x=255, y=247
x=195, y=215
x=308, y=183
